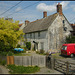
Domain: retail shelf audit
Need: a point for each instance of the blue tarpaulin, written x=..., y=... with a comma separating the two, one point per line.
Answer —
x=18, y=49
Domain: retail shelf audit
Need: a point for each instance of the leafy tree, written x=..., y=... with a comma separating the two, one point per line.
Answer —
x=70, y=39
x=9, y=33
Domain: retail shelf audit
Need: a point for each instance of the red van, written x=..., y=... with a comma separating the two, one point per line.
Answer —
x=68, y=49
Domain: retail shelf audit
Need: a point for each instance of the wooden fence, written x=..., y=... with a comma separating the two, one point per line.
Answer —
x=62, y=66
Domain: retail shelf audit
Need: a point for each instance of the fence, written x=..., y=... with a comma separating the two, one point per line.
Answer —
x=62, y=66
x=30, y=60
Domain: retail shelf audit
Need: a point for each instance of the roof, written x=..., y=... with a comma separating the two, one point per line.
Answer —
x=40, y=25
x=20, y=24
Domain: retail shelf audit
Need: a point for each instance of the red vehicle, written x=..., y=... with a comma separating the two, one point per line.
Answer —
x=68, y=49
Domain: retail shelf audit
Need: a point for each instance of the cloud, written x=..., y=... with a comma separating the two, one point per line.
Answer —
x=51, y=8
x=18, y=9
x=44, y=7
x=65, y=4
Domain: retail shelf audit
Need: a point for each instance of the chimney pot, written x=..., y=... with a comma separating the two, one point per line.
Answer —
x=44, y=14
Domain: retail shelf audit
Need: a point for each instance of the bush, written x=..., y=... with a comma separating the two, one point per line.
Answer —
x=42, y=51
x=10, y=53
x=38, y=52
x=18, y=46
x=70, y=39
x=3, y=63
x=3, y=53
x=28, y=45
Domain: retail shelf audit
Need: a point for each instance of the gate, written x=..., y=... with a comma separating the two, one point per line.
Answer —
x=59, y=65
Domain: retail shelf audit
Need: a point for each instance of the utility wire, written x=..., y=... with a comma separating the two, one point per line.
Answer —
x=24, y=8
x=10, y=8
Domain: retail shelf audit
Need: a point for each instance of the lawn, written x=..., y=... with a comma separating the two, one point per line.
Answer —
x=22, y=70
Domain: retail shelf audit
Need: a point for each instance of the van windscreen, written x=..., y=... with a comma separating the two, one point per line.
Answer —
x=64, y=47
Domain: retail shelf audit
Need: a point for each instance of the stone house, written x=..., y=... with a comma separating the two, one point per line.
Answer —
x=48, y=33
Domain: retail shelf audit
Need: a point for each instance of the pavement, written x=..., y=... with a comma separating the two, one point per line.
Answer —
x=3, y=70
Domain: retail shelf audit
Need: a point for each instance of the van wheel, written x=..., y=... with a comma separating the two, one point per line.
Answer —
x=72, y=55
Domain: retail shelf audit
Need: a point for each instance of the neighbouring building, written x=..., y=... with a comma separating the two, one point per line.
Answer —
x=48, y=33
x=9, y=19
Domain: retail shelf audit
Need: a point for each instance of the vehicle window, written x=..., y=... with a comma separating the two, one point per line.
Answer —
x=64, y=47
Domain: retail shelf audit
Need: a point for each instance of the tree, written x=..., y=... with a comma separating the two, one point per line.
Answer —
x=70, y=39
x=9, y=33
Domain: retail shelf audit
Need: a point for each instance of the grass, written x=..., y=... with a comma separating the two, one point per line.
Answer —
x=22, y=70
x=57, y=55
x=21, y=54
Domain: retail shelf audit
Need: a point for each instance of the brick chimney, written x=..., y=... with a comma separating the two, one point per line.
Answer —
x=44, y=14
x=26, y=22
x=59, y=9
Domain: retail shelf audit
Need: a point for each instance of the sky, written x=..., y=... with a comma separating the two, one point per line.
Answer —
x=33, y=10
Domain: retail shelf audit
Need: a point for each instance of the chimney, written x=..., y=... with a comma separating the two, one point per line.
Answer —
x=44, y=14
x=26, y=22
x=59, y=9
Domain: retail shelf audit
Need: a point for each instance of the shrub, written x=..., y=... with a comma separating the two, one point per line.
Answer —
x=38, y=52
x=70, y=39
x=3, y=62
x=28, y=45
x=18, y=46
x=42, y=51
x=10, y=53
x=3, y=53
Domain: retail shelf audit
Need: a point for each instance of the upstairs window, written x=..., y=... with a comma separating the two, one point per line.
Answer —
x=34, y=35
x=38, y=34
x=31, y=35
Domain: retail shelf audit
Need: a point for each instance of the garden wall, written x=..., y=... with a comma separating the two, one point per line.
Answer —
x=38, y=60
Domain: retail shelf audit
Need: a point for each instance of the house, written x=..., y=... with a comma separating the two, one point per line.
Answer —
x=48, y=33
x=21, y=26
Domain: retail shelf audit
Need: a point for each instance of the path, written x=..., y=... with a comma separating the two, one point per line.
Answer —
x=3, y=70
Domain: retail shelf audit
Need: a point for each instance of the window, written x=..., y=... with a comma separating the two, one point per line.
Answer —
x=63, y=23
x=38, y=34
x=34, y=35
x=64, y=48
x=42, y=45
x=31, y=35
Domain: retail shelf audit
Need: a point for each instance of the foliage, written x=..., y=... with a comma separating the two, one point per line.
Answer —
x=3, y=53
x=42, y=51
x=28, y=45
x=4, y=47
x=18, y=46
x=70, y=39
x=3, y=62
x=9, y=33
x=21, y=69
x=10, y=53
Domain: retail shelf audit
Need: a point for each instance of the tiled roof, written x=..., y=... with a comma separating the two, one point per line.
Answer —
x=40, y=25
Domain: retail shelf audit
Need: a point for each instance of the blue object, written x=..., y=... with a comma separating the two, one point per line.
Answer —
x=18, y=49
